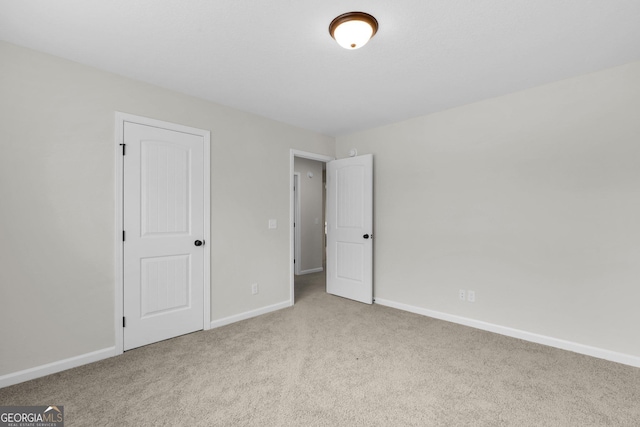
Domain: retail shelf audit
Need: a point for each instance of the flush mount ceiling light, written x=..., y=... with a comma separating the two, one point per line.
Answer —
x=353, y=30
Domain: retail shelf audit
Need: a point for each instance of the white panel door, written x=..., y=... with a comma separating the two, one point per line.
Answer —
x=164, y=227
x=350, y=227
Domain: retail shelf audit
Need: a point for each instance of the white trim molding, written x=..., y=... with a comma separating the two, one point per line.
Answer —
x=600, y=353
x=249, y=314
x=297, y=234
x=55, y=367
x=312, y=270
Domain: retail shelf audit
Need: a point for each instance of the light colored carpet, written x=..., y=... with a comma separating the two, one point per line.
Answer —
x=328, y=361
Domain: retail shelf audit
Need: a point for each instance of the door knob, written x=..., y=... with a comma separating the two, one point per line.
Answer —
x=198, y=243
x=366, y=236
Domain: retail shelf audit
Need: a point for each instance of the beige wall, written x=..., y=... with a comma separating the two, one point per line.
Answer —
x=57, y=203
x=532, y=200
x=311, y=224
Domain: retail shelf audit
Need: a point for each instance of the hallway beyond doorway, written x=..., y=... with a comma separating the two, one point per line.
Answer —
x=307, y=284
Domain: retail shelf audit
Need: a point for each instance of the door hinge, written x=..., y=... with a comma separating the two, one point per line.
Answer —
x=123, y=235
x=123, y=148
x=124, y=322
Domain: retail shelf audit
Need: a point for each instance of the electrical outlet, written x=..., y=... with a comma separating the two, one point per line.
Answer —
x=254, y=288
x=462, y=294
x=471, y=296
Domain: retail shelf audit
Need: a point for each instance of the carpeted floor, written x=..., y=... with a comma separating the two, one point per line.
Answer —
x=328, y=361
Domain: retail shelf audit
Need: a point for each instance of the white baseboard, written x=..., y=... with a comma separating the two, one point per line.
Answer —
x=83, y=359
x=600, y=353
x=312, y=270
x=249, y=314
x=72, y=362
x=52, y=368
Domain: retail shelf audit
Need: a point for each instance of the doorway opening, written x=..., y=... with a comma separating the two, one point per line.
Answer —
x=349, y=225
x=309, y=220
x=308, y=206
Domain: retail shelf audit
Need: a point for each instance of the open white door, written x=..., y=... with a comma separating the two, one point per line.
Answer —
x=350, y=228
x=164, y=234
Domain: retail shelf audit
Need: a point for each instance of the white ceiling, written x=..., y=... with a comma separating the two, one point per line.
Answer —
x=276, y=58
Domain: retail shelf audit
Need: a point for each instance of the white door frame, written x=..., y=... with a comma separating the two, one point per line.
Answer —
x=297, y=243
x=120, y=119
x=292, y=155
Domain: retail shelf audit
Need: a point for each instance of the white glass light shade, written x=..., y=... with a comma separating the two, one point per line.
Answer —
x=353, y=30
x=353, y=34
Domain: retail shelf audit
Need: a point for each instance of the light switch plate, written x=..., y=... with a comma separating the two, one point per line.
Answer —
x=273, y=223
